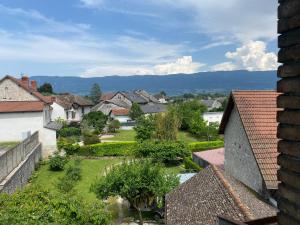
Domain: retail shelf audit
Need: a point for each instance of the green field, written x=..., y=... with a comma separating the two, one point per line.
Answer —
x=129, y=135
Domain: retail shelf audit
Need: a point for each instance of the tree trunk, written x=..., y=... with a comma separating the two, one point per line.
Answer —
x=141, y=222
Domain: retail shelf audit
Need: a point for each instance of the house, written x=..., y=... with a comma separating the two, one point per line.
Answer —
x=153, y=108
x=70, y=108
x=23, y=111
x=211, y=104
x=249, y=127
x=211, y=194
x=162, y=98
x=212, y=117
x=122, y=115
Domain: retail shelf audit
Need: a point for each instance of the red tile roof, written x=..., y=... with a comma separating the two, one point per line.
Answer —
x=107, y=96
x=22, y=106
x=214, y=157
x=120, y=112
x=258, y=110
x=29, y=89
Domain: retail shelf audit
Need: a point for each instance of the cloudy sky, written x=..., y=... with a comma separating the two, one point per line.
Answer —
x=126, y=37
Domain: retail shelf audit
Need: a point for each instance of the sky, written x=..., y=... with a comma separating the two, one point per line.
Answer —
x=91, y=38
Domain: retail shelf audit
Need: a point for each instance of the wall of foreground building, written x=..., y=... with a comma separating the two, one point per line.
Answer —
x=289, y=119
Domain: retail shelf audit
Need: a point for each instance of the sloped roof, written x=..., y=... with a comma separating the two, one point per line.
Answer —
x=67, y=100
x=212, y=193
x=120, y=112
x=146, y=95
x=153, y=108
x=107, y=96
x=53, y=125
x=209, y=102
x=214, y=157
x=135, y=98
x=28, y=89
x=21, y=106
x=258, y=110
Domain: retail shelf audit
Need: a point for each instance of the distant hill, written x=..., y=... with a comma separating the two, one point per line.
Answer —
x=171, y=84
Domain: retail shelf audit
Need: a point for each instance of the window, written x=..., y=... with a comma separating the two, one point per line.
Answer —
x=82, y=110
x=5, y=93
x=73, y=114
x=67, y=114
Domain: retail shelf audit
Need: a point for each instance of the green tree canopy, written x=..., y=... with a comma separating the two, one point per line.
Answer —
x=46, y=88
x=114, y=125
x=145, y=127
x=135, y=111
x=140, y=182
x=96, y=120
x=95, y=93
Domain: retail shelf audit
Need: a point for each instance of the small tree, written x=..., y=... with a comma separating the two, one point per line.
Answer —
x=141, y=183
x=46, y=88
x=135, y=111
x=96, y=93
x=96, y=120
x=114, y=125
x=144, y=128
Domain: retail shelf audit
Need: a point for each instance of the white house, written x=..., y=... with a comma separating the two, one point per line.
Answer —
x=212, y=104
x=23, y=111
x=212, y=117
x=122, y=115
x=70, y=108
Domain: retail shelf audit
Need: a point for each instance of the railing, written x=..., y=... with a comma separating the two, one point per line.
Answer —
x=14, y=156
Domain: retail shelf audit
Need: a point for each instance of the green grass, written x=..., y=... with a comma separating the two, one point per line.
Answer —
x=129, y=135
x=8, y=144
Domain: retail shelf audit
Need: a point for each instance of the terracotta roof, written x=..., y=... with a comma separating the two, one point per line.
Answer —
x=28, y=88
x=107, y=96
x=213, y=157
x=212, y=193
x=21, y=106
x=67, y=101
x=258, y=110
x=120, y=112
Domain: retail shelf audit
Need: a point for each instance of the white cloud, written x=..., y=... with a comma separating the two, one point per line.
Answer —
x=184, y=65
x=251, y=56
x=92, y=3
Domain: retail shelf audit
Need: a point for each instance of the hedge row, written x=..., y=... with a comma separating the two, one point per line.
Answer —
x=189, y=164
x=108, y=149
x=205, y=145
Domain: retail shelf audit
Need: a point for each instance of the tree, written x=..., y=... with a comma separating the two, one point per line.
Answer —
x=140, y=182
x=36, y=205
x=46, y=88
x=135, y=111
x=166, y=125
x=144, y=128
x=96, y=120
x=114, y=125
x=96, y=93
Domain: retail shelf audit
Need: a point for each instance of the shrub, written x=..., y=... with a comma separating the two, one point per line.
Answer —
x=113, y=126
x=95, y=120
x=189, y=164
x=74, y=173
x=109, y=149
x=57, y=162
x=69, y=131
x=205, y=145
x=71, y=149
x=165, y=151
x=65, y=184
x=89, y=139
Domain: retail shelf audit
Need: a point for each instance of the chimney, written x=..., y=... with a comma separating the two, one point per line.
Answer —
x=34, y=85
x=25, y=81
x=53, y=98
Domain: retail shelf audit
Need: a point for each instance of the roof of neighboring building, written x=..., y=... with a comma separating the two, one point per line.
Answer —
x=28, y=89
x=120, y=112
x=107, y=96
x=212, y=193
x=153, y=108
x=135, y=98
x=53, y=125
x=67, y=100
x=209, y=102
x=213, y=157
x=146, y=95
x=21, y=106
x=257, y=110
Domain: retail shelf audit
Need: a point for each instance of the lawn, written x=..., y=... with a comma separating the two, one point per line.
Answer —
x=8, y=144
x=129, y=135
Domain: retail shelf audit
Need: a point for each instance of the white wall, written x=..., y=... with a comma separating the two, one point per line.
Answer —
x=58, y=112
x=213, y=117
x=122, y=119
x=15, y=125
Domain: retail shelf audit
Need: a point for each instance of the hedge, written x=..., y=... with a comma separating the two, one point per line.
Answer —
x=189, y=164
x=125, y=148
x=205, y=145
x=69, y=131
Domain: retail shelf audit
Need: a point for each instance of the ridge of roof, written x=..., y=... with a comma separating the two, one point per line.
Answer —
x=230, y=190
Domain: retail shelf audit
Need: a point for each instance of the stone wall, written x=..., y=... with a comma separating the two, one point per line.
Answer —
x=239, y=159
x=289, y=118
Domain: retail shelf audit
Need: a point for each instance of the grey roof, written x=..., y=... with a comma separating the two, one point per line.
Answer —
x=135, y=98
x=146, y=95
x=209, y=102
x=153, y=108
x=212, y=193
x=53, y=125
x=67, y=100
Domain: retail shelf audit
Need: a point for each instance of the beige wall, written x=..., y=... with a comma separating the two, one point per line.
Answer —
x=10, y=91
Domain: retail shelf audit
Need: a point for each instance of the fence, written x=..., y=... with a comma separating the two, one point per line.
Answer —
x=10, y=159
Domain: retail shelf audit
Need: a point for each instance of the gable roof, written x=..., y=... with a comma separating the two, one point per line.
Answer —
x=67, y=101
x=135, y=98
x=153, y=108
x=209, y=102
x=212, y=193
x=107, y=96
x=28, y=89
x=21, y=106
x=258, y=110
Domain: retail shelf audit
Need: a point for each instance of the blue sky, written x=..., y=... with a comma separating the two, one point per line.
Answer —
x=127, y=37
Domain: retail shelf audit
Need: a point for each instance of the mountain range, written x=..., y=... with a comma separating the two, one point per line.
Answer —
x=176, y=84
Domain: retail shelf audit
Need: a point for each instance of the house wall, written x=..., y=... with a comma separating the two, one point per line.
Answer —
x=239, y=159
x=121, y=97
x=10, y=91
x=58, y=112
x=15, y=126
x=213, y=117
x=122, y=119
